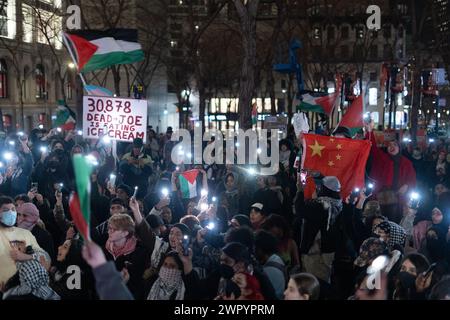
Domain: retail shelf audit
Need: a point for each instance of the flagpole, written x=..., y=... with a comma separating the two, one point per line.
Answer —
x=73, y=59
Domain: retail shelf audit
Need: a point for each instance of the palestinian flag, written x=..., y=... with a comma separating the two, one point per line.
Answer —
x=188, y=184
x=80, y=204
x=100, y=49
x=65, y=118
x=353, y=118
x=323, y=104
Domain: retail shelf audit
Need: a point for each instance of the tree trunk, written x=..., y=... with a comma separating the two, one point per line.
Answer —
x=201, y=106
x=271, y=85
x=116, y=77
x=20, y=121
x=247, y=16
x=415, y=104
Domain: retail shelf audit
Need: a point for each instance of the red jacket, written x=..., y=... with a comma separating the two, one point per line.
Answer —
x=382, y=169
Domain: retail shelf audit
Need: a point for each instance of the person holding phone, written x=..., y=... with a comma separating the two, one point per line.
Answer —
x=19, y=169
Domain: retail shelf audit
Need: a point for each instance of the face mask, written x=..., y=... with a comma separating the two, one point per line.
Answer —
x=170, y=277
x=407, y=280
x=226, y=271
x=28, y=225
x=9, y=218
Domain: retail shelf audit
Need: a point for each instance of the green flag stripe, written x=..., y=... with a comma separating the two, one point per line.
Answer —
x=83, y=170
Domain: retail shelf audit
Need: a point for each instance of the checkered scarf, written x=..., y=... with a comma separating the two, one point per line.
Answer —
x=33, y=280
x=397, y=234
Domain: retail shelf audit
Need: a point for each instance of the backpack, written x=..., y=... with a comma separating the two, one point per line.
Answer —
x=280, y=267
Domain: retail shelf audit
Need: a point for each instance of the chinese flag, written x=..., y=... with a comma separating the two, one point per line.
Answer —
x=344, y=158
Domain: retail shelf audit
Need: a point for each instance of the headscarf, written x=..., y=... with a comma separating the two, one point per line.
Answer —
x=169, y=281
x=397, y=234
x=32, y=215
x=34, y=280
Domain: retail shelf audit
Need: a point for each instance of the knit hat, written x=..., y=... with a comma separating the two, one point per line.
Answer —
x=243, y=220
x=183, y=228
x=370, y=249
x=28, y=208
x=236, y=251
x=332, y=183
x=154, y=221
x=126, y=188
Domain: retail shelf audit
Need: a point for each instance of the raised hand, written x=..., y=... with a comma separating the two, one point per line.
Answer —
x=93, y=254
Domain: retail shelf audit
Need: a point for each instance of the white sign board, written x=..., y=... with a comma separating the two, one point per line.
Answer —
x=121, y=119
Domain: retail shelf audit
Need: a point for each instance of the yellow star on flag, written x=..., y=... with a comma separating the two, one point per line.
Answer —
x=317, y=149
x=339, y=146
x=338, y=157
x=331, y=140
x=330, y=163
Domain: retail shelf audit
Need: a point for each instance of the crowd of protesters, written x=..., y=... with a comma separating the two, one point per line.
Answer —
x=241, y=236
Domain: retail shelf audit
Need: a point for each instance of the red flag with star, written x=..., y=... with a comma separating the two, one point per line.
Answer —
x=340, y=157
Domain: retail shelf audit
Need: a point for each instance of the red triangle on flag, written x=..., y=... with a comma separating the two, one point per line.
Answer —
x=327, y=102
x=353, y=118
x=190, y=175
x=84, y=49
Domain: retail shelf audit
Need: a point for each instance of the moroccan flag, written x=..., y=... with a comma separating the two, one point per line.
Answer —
x=100, y=49
x=340, y=157
x=353, y=117
x=80, y=204
x=254, y=114
x=188, y=184
x=324, y=104
x=65, y=118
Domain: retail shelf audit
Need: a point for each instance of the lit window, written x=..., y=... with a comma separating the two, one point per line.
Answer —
x=373, y=96
x=27, y=23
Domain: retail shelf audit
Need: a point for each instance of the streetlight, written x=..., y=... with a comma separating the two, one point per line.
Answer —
x=71, y=65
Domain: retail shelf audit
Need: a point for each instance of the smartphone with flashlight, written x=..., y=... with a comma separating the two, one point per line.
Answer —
x=59, y=187
x=354, y=195
x=112, y=179
x=414, y=200
x=369, y=189
x=185, y=245
x=303, y=175
x=135, y=192
x=165, y=193
x=34, y=187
